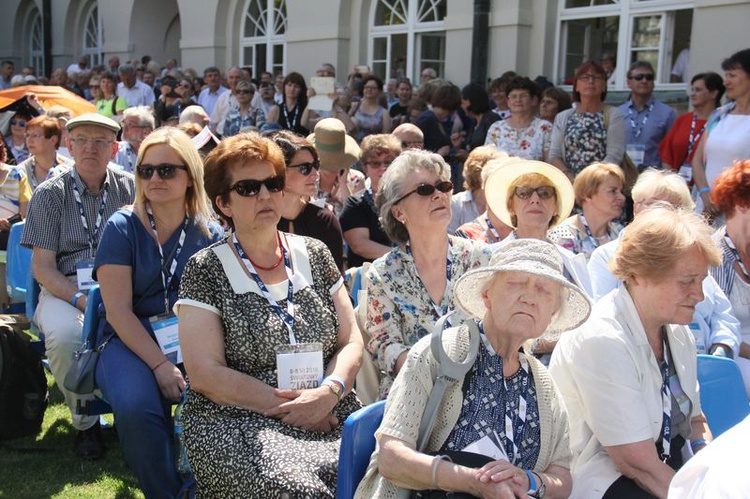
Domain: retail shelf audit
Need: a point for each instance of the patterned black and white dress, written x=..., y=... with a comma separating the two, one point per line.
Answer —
x=235, y=452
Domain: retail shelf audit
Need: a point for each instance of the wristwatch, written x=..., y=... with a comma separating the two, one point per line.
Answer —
x=334, y=387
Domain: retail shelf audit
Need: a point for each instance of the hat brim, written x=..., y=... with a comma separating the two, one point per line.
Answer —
x=572, y=313
x=335, y=161
x=496, y=187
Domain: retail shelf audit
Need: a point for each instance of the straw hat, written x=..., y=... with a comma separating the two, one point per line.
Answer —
x=530, y=256
x=496, y=187
x=336, y=149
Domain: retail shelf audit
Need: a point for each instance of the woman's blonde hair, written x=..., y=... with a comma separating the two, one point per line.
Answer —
x=196, y=201
x=657, y=239
x=662, y=185
x=587, y=182
x=478, y=157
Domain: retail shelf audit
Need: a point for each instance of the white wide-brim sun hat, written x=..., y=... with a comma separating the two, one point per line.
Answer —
x=496, y=187
x=529, y=256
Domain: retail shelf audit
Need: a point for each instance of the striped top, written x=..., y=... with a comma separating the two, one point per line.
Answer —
x=14, y=190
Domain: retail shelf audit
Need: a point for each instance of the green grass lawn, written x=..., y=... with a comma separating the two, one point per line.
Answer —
x=46, y=466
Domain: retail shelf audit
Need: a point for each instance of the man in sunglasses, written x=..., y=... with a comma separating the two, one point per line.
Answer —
x=647, y=120
x=65, y=219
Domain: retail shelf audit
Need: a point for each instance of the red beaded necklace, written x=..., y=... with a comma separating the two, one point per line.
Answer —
x=278, y=262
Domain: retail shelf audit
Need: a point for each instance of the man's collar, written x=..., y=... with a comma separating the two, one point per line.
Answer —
x=79, y=181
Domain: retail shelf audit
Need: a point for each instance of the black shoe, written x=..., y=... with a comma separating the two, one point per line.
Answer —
x=89, y=444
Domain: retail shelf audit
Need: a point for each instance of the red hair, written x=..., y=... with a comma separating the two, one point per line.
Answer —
x=732, y=188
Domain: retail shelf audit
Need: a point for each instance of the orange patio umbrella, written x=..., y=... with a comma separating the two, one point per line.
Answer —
x=48, y=96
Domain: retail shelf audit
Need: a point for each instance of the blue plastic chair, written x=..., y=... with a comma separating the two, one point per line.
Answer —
x=91, y=318
x=18, y=264
x=32, y=299
x=357, y=445
x=723, y=397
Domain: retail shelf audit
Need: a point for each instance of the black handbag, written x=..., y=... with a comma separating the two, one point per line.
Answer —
x=80, y=376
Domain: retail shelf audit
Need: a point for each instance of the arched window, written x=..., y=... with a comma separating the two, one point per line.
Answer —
x=36, y=43
x=262, y=43
x=92, y=35
x=407, y=36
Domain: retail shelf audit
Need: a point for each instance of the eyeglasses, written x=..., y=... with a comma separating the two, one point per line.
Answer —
x=641, y=77
x=250, y=187
x=97, y=143
x=370, y=87
x=21, y=123
x=33, y=136
x=244, y=92
x=306, y=168
x=412, y=144
x=425, y=190
x=544, y=192
x=379, y=164
x=590, y=78
x=164, y=170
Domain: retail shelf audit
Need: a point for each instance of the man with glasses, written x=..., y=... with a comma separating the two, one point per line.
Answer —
x=226, y=101
x=137, y=123
x=647, y=120
x=65, y=219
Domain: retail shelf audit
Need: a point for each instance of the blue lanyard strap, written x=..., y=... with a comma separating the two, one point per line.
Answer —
x=637, y=131
x=491, y=228
x=438, y=308
x=167, y=274
x=693, y=138
x=592, y=237
x=666, y=401
x=735, y=253
x=287, y=316
x=92, y=237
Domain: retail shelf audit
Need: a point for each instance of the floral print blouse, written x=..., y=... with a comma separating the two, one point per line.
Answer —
x=236, y=121
x=399, y=309
x=531, y=142
x=573, y=236
x=585, y=140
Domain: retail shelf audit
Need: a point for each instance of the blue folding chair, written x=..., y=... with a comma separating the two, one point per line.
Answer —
x=18, y=264
x=32, y=299
x=91, y=318
x=357, y=445
x=723, y=397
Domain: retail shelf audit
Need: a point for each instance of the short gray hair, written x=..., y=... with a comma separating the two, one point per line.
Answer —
x=143, y=113
x=391, y=187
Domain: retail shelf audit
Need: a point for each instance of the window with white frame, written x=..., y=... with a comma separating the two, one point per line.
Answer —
x=36, y=42
x=626, y=30
x=92, y=35
x=262, y=44
x=407, y=36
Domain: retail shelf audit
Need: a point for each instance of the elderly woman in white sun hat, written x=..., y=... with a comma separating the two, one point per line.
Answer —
x=501, y=430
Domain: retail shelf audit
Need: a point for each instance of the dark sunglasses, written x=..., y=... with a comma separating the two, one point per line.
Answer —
x=306, y=168
x=165, y=170
x=250, y=187
x=544, y=192
x=21, y=123
x=640, y=77
x=425, y=190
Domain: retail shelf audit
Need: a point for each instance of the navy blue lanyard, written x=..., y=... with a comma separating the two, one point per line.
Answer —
x=77, y=195
x=440, y=311
x=287, y=316
x=491, y=228
x=637, y=131
x=735, y=253
x=167, y=274
x=666, y=402
x=693, y=138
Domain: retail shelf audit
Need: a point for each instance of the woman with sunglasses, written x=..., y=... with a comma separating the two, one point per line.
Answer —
x=244, y=116
x=139, y=263
x=591, y=132
x=411, y=286
x=15, y=141
x=270, y=341
x=533, y=197
x=299, y=215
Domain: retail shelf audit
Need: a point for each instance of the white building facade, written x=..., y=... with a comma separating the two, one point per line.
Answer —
x=396, y=38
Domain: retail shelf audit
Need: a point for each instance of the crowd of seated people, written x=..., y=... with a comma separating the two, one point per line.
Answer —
x=487, y=226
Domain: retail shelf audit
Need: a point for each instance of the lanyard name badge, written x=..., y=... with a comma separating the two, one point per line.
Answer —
x=299, y=365
x=85, y=266
x=637, y=152
x=165, y=325
x=666, y=401
x=686, y=170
